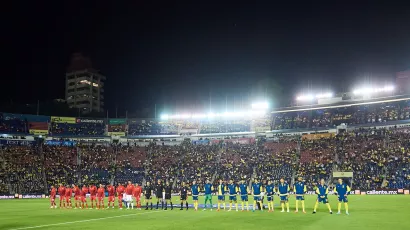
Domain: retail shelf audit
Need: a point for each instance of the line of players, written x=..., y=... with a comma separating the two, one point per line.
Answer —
x=163, y=193
x=97, y=196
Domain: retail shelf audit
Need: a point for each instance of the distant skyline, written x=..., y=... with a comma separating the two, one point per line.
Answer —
x=181, y=53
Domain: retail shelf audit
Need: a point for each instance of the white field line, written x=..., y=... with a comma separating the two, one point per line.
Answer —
x=81, y=221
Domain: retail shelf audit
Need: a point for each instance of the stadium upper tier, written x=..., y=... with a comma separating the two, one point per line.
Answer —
x=356, y=113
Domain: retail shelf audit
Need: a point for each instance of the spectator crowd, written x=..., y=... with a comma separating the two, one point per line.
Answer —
x=378, y=158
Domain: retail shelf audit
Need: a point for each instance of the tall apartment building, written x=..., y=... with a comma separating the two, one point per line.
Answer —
x=84, y=85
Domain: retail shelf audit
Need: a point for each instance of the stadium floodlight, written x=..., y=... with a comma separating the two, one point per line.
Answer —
x=311, y=97
x=308, y=97
x=164, y=117
x=324, y=95
x=260, y=105
x=198, y=116
x=369, y=91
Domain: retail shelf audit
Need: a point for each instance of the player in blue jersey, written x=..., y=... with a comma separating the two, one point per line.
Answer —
x=322, y=191
x=283, y=190
x=221, y=195
x=270, y=190
x=243, y=190
x=208, y=189
x=300, y=189
x=233, y=191
x=256, y=191
x=342, y=190
x=195, y=194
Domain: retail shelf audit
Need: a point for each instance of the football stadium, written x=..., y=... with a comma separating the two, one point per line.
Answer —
x=332, y=162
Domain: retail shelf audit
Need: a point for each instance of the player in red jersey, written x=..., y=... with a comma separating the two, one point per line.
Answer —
x=137, y=194
x=100, y=197
x=68, y=194
x=61, y=192
x=77, y=196
x=111, y=195
x=84, y=191
x=128, y=194
x=120, y=194
x=53, y=193
x=93, y=195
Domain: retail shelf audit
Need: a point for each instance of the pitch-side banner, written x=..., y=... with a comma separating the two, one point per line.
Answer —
x=380, y=192
x=17, y=142
x=38, y=132
x=117, y=121
x=90, y=120
x=69, y=120
x=116, y=134
x=342, y=174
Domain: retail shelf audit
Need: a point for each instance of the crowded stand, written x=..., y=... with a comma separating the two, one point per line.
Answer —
x=60, y=164
x=130, y=163
x=351, y=115
x=96, y=163
x=23, y=169
x=278, y=159
x=378, y=158
x=12, y=124
x=143, y=127
x=77, y=129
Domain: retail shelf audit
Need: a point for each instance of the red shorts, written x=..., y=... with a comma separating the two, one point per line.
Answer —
x=62, y=197
x=68, y=198
x=138, y=198
x=83, y=199
x=53, y=198
x=92, y=197
x=77, y=198
x=120, y=198
x=111, y=198
x=100, y=199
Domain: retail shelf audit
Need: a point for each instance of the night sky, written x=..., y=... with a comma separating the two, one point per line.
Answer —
x=178, y=55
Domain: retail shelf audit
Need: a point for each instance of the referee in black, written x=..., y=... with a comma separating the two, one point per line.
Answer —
x=159, y=188
x=168, y=191
x=184, y=194
x=148, y=193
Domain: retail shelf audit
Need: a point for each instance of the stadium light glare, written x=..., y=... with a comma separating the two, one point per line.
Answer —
x=210, y=115
x=308, y=97
x=164, y=117
x=260, y=105
x=369, y=91
x=311, y=97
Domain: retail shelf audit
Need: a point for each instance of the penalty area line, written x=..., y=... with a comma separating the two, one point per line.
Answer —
x=82, y=221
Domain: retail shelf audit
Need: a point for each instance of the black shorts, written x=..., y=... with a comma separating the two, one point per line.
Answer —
x=148, y=197
x=167, y=196
x=159, y=195
x=183, y=197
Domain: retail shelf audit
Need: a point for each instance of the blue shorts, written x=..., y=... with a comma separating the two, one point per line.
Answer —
x=221, y=197
x=284, y=198
x=232, y=197
x=322, y=200
x=244, y=197
x=300, y=197
x=195, y=197
x=269, y=198
x=342, y=199
x=257, y=198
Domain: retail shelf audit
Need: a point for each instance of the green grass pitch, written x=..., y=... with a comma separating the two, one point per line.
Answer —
x=366, y=212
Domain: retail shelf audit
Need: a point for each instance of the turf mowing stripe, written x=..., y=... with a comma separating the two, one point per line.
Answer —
x=81, y=221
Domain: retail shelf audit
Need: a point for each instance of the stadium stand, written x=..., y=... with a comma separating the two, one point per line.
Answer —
x=375, y=147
